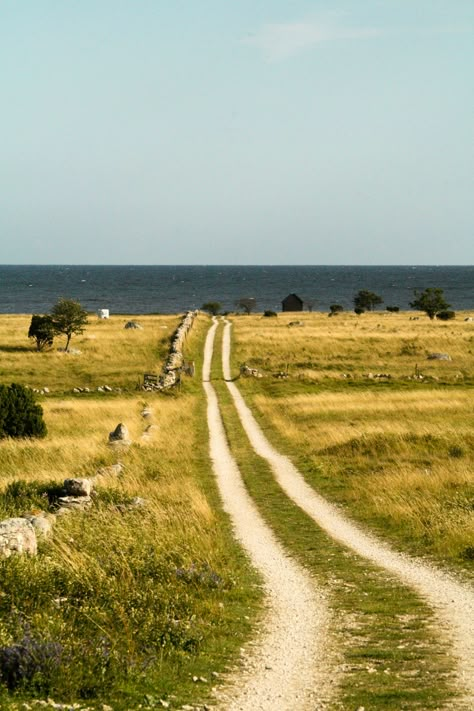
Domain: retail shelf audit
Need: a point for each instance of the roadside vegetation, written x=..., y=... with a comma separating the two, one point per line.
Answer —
x=387, y=654
x=372, y=422
x=126, y=603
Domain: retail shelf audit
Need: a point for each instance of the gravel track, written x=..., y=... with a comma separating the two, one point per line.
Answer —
x=286, y=668
x=452, y=600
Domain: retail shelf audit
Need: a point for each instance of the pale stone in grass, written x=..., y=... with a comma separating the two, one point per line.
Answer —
x=17, y=535
x=133, y=325
x=77, y=487
x=120, y=435
x=438, y=356
x=74, y=503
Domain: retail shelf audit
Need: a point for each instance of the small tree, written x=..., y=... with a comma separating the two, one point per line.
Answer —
x=42, y=330
x=68, y=317
x=335, y=309
x=367, y=300
x=431, y=301
x=247, y=304
x=20, y=415
x=446, y=315
x=212, y=307
x=393, y=309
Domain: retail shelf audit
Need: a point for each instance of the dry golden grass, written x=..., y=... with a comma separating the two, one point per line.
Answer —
x=110, y=354
x=399, y=454
x=355, y=345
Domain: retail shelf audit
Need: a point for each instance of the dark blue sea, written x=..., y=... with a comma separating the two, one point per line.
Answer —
x=173, y=289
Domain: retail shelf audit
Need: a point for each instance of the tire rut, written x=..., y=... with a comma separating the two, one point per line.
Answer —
x=286, y=667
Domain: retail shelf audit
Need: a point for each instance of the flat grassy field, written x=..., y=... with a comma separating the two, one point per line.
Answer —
x=397, y=451
x=124, y=604
x=109, y=353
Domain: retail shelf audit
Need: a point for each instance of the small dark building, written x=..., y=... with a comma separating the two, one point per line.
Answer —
x=292, y=303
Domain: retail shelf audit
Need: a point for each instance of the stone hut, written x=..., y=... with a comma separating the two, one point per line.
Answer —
x=292, y=303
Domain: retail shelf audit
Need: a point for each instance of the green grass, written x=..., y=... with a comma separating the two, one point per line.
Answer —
x=390, y=656
x=126, y=603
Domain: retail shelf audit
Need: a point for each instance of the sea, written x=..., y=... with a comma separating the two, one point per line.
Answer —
x=174, y=289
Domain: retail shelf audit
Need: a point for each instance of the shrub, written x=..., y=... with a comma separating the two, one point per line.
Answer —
x=212, y=307
x=393, y=309
x=359, y=311
x=20, y=415
x=445, y=315
x=270, y=314
x=42, y=330
x=30, y=662
x=335, y=309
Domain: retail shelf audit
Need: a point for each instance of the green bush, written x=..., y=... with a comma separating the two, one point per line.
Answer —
x=20, y=415
x=445, y=315
x=359, y=311
x=270, y=314
x=393, y=309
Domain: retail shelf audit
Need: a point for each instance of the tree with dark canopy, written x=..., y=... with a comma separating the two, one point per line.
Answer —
x=68, y=317
x=367, y=300
x=42, y=330
x=431, y=301
x=247, y=304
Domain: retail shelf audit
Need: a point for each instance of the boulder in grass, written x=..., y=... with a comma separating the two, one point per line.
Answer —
x=17, y=536
x=438, y=356
x=77, y=487
x=133, y=325
x=146, y=412
x=74, y=503
x=120, y=435
x=42, y=523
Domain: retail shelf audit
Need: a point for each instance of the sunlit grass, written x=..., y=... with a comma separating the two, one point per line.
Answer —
x=109, y=353
x=399, y=454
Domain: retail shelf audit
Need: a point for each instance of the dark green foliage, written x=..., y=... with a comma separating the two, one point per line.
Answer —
x=393, y=309
x=247, y=304
x=270, y=314
x=366, y=300
x=212, y=307
x=358, y=310
x=68, y=317
x=445, y=315
x=42, y=330
x=20, y=415
x=431, y=301
x=335, y=309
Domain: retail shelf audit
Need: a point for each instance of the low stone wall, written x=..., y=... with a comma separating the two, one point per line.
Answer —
x=174, y=363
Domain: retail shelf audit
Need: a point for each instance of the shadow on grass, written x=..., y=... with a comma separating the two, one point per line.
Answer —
x=17, y=349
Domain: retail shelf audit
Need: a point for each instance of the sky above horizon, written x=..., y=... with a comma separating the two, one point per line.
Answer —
x=249, y=132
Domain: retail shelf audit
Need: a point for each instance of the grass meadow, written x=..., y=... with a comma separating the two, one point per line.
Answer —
x=110, y=354
x=398, y=451
x=123, y=605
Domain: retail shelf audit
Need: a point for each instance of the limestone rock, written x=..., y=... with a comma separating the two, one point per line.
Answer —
x=133, y=325
x=146, y=412
x=112, y=470
x=17, y=535
x=75, y=503
x=42, y=524
x=438, y=356
x=120, y=435
x=77, y=487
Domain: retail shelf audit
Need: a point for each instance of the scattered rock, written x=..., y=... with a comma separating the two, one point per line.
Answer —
x=133, y=325
x=77, y=487
x=120, y=435
x=73, y=503
x=17, y=535
x=469, y=318
x=248, y=372
x=112, y=470
x=146, y=412
x=108, y=389
x=438, y=356
x=295, y=323
x=138, y=503
x=42, y=524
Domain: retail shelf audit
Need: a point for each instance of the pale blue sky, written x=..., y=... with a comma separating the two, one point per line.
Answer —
x=236, y=132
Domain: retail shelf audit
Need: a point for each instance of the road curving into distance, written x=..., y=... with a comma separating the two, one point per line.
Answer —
x=286, y=668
